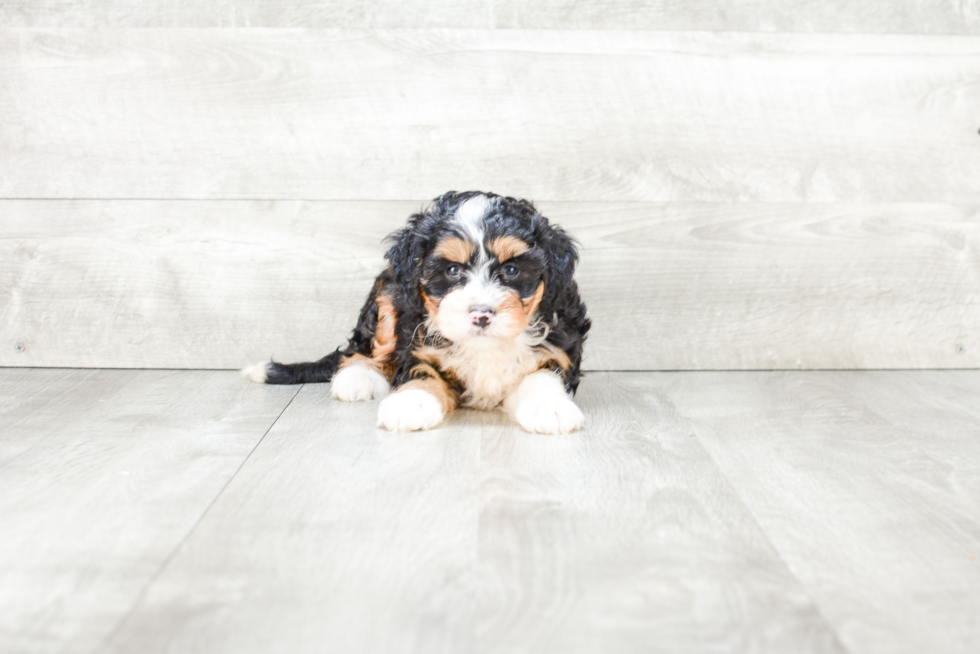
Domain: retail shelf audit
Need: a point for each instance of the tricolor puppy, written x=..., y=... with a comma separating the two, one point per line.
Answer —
x=476, y=308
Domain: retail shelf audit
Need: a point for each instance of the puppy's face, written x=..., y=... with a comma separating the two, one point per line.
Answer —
x=481, y=279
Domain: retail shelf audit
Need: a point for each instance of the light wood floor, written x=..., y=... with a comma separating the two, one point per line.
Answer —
x=189, y=511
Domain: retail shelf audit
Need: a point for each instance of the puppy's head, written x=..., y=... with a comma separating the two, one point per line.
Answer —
x=482, y=266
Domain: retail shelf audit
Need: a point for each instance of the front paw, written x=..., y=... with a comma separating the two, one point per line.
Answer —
x=358, y=384
x=410, y=410
x=552, y=415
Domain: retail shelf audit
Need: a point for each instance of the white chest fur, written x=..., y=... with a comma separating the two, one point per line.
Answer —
x=491, y=368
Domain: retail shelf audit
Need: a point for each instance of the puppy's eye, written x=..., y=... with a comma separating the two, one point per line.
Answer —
x=510, y=271
x=453, y=271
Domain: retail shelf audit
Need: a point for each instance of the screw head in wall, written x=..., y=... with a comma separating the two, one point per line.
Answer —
x=960, y=349
x=19, y=348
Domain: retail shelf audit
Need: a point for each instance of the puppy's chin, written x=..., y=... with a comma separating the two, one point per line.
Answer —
x=481, y=340
x=462, y=331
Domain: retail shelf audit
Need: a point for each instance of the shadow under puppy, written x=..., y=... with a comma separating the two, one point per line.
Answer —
x=478, y=308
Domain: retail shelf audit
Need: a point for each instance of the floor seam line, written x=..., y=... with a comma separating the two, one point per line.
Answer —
x=170, y=557
x=779, y=555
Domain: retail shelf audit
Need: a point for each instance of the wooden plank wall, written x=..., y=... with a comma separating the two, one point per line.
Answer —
x=754, y=185
x=876, y=16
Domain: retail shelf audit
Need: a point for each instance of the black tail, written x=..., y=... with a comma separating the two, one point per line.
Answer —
x=303, y=373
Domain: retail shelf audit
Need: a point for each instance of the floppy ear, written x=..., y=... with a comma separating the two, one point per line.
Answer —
x=410, y=244
x=405, y=258
x=405, y=255
x=561, y=306
x=562, y=258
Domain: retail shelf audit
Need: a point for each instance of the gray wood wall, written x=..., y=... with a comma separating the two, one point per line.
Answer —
x=755, y=184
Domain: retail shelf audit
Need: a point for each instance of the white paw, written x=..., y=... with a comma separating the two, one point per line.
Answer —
x=257, y=373
x=552, y=415
x=358, y=384
x=410, y=410
x=541, y=405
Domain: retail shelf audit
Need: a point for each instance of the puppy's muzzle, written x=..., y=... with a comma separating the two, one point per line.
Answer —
x=480, y=315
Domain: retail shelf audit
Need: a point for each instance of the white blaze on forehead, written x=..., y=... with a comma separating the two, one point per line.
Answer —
x=479, y=275
x=469, y=216
x=479, y=289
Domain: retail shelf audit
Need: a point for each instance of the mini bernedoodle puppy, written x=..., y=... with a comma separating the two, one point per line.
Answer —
x=476, y=308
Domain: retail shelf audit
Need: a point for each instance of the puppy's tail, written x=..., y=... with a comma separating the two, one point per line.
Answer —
x=270, y=372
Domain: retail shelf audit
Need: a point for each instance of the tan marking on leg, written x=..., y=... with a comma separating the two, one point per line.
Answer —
x=384, y=336
x=430, y=355
x=359, y=360
x=383, y=344
x=431, y=362
x=548, y=355
x=423, y=370
x=438, y=388
x=507, y=247
x=455, y=249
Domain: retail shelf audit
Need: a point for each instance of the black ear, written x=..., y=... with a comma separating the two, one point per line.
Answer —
x=406, y=254
x=409, y=247
x=411, y=244
x=562, y=257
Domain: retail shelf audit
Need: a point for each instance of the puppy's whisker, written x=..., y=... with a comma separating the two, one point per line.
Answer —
x=415, y=333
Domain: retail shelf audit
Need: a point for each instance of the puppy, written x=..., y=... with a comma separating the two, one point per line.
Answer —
x=476, y=308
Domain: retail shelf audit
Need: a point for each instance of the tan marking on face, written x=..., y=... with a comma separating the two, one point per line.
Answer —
x=531, y=304
x=455, y=249
x=507, y=247
x=383, y=344
x=431, y=304
x=438, y=388
x=510, y=318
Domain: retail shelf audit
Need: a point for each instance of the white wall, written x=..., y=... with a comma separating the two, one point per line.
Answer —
x=754, y=185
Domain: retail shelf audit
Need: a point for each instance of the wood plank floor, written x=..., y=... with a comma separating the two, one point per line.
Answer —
x=189, y=511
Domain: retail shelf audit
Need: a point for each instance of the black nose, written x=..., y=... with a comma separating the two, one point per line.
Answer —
x=480, y=315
